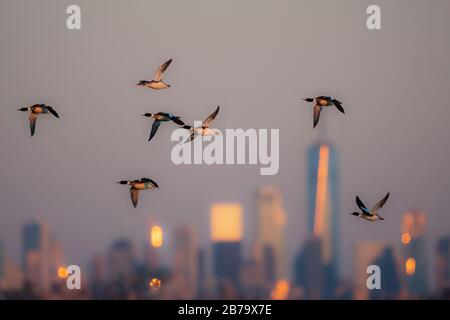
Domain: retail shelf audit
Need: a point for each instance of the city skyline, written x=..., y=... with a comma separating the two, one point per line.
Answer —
x=44, y=261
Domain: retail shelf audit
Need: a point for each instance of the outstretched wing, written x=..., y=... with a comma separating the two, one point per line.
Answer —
x=147, y=180
x=32, y=118
x=177, y=120
x=362, y=206
x=191, y=137
x=161, y=69
x=207, y=122
x=155, y=127
x=338, y=105
x=380, y=204
x=317, y=109
x=52, y=111
x=134, y=196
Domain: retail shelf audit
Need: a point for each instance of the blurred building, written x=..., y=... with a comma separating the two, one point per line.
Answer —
x=414, y=259
x=57, y=259
x=153, y=249
x=37, y=259
x=390, y=277
x=202, y=272
x=443, y=267
x=121, y=262
x=309, y=270
x=97, y=276
x=226, y=234
x=366, y=254
x=185, y=262
x=2, y=262
x=271, y=221
x=323, y=213
x=11, y=276
x=251, y=280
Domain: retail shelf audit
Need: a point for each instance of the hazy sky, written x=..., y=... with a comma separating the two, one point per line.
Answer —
x=257, y=59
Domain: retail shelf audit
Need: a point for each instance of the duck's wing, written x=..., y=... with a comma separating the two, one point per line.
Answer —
x=33, y=118
x=155, y=127
x=177, y=120
x=161, y=69
x=191, y=137
x=380, y=204
x=338, y=105
x=52, y=111
x=316, y=115
x=207, y=122
x=152, y=182
x=362, y=206
x=134, y=196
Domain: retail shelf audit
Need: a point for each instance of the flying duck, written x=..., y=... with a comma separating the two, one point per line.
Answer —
x=370, y=215
x=157, y=83
x=205, y=129
x=35, y=111
x=323, y=101
x=161, y=117
x=137, y=185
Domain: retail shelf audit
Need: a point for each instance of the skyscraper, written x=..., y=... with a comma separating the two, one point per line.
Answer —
x=37, y=260
x=443, y=267
x=121, y=261
x=2, y=262
x=365, y=255
x=323, y=209
x=309, y=271
x=414, y=252
x=226, y=235
x=186, y=259
x=153, y=248
x=57, y=258
x=390, y=279
x=271, y=221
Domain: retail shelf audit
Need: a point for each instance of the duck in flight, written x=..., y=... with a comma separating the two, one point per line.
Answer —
x=138, y=185
x=157, y=83
x=35, y=111
x=320, y=102
x=370, y=215
x=205, y=129
x=161, y=117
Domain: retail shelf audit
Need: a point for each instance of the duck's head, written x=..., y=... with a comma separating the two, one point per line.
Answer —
x=22, y=109
x=148, y=115
x=142, y=83
x=381, y=218
x=123, y=182
x=308, y=99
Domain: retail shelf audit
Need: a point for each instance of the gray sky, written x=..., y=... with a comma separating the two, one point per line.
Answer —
x=256, y=59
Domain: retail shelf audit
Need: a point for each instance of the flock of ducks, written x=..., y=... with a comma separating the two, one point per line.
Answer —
x=205, y=130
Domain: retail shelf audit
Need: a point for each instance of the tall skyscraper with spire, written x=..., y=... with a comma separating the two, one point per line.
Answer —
x=323, y=209
x=271, y=222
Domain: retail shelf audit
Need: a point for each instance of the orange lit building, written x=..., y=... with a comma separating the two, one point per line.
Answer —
x=323, y=213
x=412, y=241
x=226, y=222
x=226, y=227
